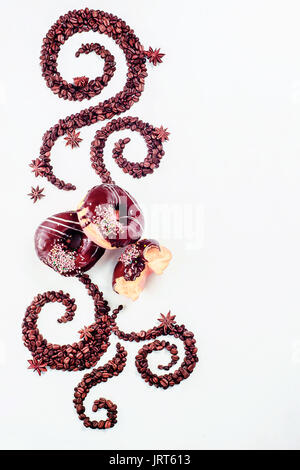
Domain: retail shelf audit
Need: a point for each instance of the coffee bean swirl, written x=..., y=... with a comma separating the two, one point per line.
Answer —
x=78, y=21
x=173, y=329
x=135, y=169
x=77, y=356
x=113, y=368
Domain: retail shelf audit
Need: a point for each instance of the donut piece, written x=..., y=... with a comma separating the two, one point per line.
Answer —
x=61, y=244
x=136, y=263
x=110, y=217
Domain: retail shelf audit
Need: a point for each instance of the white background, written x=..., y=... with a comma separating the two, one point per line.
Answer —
x=229, y=92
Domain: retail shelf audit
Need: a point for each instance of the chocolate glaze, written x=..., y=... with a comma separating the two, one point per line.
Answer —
x=126, y=214
x=136, y=265
x=61, y=244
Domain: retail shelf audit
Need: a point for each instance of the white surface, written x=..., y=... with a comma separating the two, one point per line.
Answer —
x=229, y=92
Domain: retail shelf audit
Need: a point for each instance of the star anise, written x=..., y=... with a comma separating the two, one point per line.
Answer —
x=162, y=133
x=86, y=332
x=167, y=321
x=38, y=366
x=154, y=56
x=38, y=167
x=36, y=193
x=81, y=81
x=73, y=139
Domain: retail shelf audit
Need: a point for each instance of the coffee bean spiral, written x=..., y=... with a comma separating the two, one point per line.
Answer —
x=101, y=374
x=135, y=169
x=78, y=21
x=173, y=329
x=77, y=356
x=87, y=88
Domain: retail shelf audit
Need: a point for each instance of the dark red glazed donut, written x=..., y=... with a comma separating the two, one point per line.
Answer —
x=110, y=217
x=61, y=244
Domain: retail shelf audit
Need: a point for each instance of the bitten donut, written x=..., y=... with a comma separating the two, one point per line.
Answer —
x=136, y=263
x=61, y=244
x=110, y=217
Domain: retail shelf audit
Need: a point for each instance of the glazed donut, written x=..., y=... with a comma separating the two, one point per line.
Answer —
x=110, y=217
x=61, y=244
x=136, y=263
